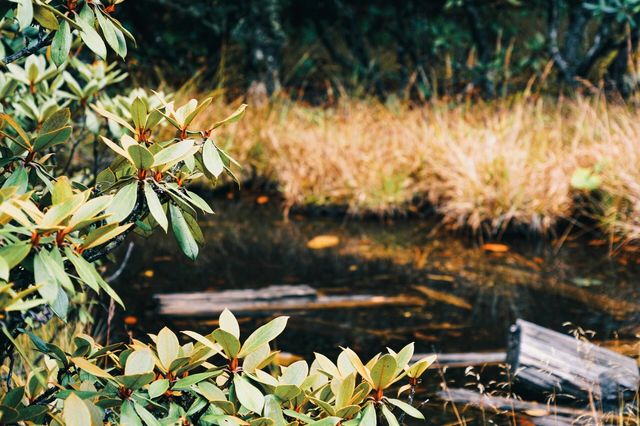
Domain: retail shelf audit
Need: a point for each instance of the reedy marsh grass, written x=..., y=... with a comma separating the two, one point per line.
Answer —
x=484, y=166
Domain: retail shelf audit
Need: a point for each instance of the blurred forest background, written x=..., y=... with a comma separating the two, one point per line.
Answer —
x=415, y=48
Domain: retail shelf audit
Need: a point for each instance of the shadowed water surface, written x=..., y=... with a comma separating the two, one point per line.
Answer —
x=473, y=294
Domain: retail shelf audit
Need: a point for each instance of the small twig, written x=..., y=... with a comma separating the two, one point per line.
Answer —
x=12, y=361
x=111, y=278
x=412, y=395
x=43, y=40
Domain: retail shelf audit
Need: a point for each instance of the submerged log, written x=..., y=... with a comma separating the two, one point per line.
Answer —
x=545, y=362
x=271, y=299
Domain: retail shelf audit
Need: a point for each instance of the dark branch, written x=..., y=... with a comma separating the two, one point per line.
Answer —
x=554, y=45
x=43, y=40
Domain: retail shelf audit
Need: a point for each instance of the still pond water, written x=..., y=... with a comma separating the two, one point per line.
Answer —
x=473, y=294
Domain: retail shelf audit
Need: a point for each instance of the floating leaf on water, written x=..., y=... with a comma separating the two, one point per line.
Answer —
x=323, y=241
x=495, y=248
x=586, y=282
x=263, y=199
x=130, y=320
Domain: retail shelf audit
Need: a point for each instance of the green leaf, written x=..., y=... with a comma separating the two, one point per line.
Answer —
x=389, y=417
x=107, y=289
x=369, y=417
x=383, y=371
x=128, y=415
x=61, y=44
x=186, y=382
x=418, y=369
x=146, y=416
x=102, y=235
x=18, y=179
x=157, y=388
x=263, y=335
x=76, y=412
x=45, y=18
x=249, y=396
x=15, y=253
x=62, y=190
x=327, y=421
x=167, y=346
x=90, y=368
x=199, y=202
x=237, y=115
x=108, y=31
x=211, y=159
x=230, y=344
x=52, y=138
x=344, y=392
x=84, y=269
x=173, y=153
x=229, y=323
x=183, y=235
x=403, y=357
x=205, y=103
x=155, y=207
x=139, y=113
x=142, y=158
x=89, y=210
x=25, y=143
x=123, y=203
x=409, y=409
x=91, y=38
x=273, y=410
x=136, y=381
x=24, y=13
x=139, y=361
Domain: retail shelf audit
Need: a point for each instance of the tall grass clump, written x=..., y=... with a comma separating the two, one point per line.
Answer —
x=482, y=165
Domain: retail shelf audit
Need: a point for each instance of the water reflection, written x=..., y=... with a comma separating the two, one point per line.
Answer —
x=471, y=294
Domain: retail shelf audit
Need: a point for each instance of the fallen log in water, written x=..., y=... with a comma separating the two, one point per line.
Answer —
x=271, y=299
x=538, y=413
x=544, y=361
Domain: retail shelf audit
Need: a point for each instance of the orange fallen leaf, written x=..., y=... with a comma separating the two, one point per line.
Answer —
x=148, y=273
x=495, y=248
x=263, y=199
x=130, y=320
x=323, y=241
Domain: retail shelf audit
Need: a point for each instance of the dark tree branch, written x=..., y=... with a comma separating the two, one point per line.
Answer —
x=43, y=40
x=554, y=45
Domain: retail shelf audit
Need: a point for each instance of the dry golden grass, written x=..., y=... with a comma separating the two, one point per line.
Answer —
x=481, y=165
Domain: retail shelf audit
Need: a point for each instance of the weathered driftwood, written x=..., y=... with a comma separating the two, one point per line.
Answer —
x=270, y=299
x=466, y=359
x=538, y=413
x=544, y=362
